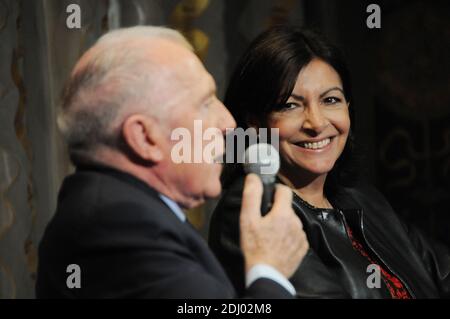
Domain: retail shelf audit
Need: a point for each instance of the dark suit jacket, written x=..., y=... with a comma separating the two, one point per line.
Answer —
x=128, y=244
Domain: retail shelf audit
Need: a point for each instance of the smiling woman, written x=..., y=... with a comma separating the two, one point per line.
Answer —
x=314, y=124
x=290, y=78
x=294, y=80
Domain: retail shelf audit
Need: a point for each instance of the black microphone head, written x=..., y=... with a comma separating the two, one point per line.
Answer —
x=262, y=159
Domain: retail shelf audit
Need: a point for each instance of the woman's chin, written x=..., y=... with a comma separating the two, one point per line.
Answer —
x=317, y=169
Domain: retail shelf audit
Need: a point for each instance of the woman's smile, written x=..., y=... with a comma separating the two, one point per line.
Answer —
x=315, y=146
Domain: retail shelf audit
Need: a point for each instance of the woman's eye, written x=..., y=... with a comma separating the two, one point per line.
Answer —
x=289, y=106
x=331, y=100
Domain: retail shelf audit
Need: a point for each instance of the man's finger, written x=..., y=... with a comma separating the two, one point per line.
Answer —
x=282, y=200
x=251, y=197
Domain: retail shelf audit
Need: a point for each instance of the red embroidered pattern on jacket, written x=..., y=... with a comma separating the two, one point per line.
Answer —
x=394, y=285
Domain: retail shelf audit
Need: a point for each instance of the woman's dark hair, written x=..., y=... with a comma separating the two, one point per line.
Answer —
x=266, y=75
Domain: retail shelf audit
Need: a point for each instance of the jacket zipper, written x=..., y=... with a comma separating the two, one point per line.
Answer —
x=385, y=264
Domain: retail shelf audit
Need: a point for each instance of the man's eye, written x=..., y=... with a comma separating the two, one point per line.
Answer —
x=331, y=100
x=208, y=103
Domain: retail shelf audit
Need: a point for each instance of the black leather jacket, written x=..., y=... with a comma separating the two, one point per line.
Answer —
x=332, y=268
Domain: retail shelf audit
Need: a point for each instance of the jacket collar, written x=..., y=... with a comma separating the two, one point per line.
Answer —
x=118, y=174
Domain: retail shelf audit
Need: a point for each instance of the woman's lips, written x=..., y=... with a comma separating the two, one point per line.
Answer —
x=317, y=146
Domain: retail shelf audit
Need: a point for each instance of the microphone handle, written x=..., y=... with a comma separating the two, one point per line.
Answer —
x=267, y=198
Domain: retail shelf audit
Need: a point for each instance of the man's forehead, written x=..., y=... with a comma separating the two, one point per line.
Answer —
x=169, y=66
x=146, y=49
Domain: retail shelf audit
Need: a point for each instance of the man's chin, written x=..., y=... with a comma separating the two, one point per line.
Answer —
x=214, y=191
x=193, y=203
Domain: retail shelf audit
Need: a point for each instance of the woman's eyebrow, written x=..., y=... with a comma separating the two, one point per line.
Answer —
x=297, y=97
x=302, y=98
x=336, y=88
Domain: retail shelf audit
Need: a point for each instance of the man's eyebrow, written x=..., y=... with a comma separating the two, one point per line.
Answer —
x=212, y=91
x=212, y=88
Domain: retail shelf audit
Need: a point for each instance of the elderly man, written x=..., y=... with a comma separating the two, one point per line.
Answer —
x=119, y=222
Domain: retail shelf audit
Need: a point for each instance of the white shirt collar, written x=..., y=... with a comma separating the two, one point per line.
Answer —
x=174, y=207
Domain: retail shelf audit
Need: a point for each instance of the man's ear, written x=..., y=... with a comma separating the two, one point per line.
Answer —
x=143, y=136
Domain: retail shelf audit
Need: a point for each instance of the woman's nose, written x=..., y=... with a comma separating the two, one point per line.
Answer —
x=315, y=119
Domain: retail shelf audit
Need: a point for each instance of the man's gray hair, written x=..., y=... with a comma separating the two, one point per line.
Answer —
x=95, y=94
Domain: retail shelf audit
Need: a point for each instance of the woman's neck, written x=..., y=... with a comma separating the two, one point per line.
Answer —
x=311, y=189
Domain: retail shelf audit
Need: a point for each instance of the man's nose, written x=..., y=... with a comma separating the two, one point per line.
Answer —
x=226, y=120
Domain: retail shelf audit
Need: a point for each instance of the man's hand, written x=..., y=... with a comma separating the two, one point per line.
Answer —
x=276, y=239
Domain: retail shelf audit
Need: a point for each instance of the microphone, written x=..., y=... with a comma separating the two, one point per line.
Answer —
x=263, y=160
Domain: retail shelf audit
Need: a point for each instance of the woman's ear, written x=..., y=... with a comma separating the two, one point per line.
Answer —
x=143, y=136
